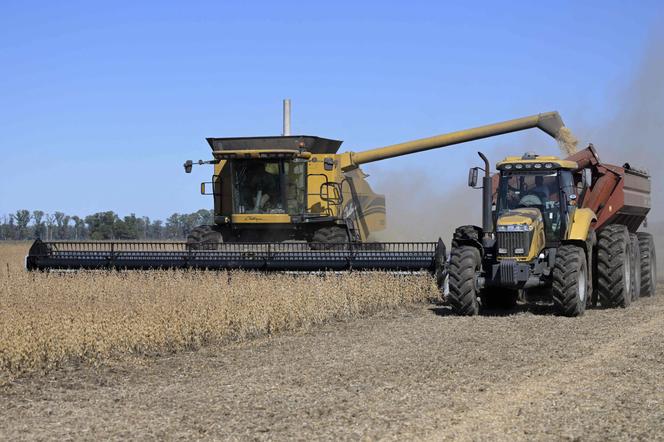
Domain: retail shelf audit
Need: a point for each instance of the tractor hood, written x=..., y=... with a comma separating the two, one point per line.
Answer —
x=519, y=217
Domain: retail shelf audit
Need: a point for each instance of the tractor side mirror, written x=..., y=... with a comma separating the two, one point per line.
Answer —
x=473, y=174
x=187, y=166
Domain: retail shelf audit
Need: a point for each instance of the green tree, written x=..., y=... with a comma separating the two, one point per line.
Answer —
x=22, y=218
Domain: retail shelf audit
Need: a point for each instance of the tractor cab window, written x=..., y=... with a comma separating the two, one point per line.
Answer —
x=268, y=186
x=533, y=190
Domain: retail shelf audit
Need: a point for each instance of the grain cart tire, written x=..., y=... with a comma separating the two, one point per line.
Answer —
x=570, y=281
x=614, y=279
x=204, y=238
x=648, y=264
x=327, y=238
x=465, y=262
x=636, y=267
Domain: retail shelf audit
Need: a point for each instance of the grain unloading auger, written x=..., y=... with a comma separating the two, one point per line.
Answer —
x=285, y=203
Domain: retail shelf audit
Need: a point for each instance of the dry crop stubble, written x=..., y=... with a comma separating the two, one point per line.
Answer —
x=50, y=319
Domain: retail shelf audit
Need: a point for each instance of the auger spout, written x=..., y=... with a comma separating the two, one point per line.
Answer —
x=549, y=122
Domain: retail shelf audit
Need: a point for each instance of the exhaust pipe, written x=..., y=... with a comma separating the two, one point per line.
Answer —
x=487, y=198
x=287, y=118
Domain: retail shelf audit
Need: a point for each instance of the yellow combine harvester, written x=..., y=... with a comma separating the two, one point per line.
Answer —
x=286, y=203
x=275, y=189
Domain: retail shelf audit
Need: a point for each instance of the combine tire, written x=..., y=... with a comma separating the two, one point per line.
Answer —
x=327, y=238
x=636, y=267
x=570, y=281
x=204, y=238
x=648, y=264
x=614, y=267
x=465, y=262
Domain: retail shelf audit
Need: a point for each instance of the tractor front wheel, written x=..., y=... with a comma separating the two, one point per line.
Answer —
x=465, y=264
x=570, y=281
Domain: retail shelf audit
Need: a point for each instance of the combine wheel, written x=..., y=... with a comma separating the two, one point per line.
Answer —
x=614, y=267
x=636, y=267
x=327, y=238
x=648, y=264
x=465, y=263
x=204, y=238
x=570, y=281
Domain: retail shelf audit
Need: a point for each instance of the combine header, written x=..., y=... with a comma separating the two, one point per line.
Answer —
x=95, y=255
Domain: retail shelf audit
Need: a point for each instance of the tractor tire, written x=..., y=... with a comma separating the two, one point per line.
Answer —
x=204, y=238
x=466, y=233
x=636, y=267
x=648, y=264
x=614, y=267
x=570, y=281
x=465, y=262
x=327, y=238
x=499, y=299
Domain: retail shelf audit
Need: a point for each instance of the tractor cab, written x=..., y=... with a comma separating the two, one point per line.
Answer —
x=534, y=204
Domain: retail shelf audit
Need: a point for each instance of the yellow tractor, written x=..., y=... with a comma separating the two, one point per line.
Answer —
x=559, y=230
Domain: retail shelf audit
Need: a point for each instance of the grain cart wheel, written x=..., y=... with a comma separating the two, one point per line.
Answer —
x=204, y=238
x=648, y=264
x=570, y=281
x=636, y=267
x=614, y=267
x=465, y=263
x=327, y=238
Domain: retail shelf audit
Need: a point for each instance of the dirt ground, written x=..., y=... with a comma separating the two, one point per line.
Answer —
x=416, y=373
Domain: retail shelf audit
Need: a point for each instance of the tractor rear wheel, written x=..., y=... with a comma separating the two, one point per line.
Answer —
x=636, y=267
x=614, y=267
x=570, y=281
x=327, y=238
x=465, y=263
x=204, y=238
x=647, y=263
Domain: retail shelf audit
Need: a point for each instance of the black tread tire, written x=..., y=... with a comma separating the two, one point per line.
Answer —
x=613, y=264
x=636, y=267
x=204, y=238
x=466, y=233
x=465, y=262
x=570, y=293
x=329, y=235
x=648, y=264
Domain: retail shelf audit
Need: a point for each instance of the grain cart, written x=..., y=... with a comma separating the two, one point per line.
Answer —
x=270, y=191
x=560, y=229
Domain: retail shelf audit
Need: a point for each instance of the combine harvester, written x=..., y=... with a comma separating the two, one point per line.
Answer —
x=285, y=203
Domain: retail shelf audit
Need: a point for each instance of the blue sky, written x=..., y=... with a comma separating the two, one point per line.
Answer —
x=102, y=102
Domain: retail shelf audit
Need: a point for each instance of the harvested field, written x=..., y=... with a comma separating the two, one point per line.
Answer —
x=50, y=319
x=413, y=372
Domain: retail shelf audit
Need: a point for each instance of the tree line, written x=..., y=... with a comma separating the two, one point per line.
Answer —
x=27, y=225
